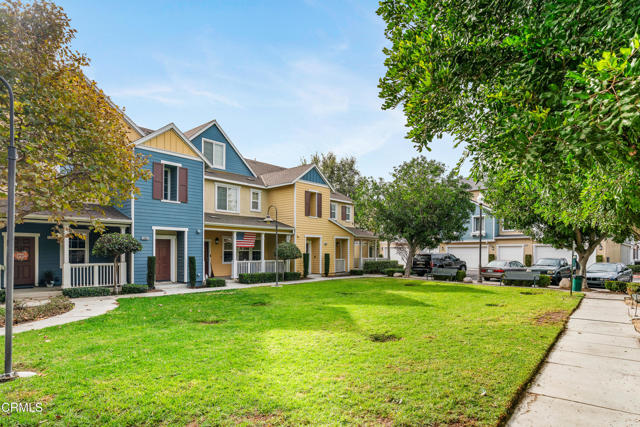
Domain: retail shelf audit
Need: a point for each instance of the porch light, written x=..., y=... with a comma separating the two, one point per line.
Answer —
x=217, y=240
x=268, y=219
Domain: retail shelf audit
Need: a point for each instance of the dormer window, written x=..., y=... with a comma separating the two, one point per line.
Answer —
x=214, y=151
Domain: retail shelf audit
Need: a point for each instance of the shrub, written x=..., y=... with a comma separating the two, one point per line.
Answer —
x=251, y=278
x=528, y=260
x=377, y=267
x=544, y=281
x=151, y=272
x=635, y=268
x=215, y=282
x=391, y=271
x=492, y=257
x=115, y=245
x=599, y=258
x=288, y=250
x=327, y=260
x=305, y=264
x=2, y=296
x=615, y=286
x=633, y=288
x=91, y=291
x=291, y=275
x=356, y=272
x=460, y=275
x=192, y=271
x=132, y=288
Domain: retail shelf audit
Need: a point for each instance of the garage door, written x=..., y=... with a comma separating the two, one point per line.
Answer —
x=548, y=251
x=510, y=253
x=625, y=254
x=469, y=255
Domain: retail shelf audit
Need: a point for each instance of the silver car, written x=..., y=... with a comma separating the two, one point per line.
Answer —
x=495, y=269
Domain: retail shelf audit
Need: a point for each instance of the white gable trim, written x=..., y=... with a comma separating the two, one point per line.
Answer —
x=180, y=134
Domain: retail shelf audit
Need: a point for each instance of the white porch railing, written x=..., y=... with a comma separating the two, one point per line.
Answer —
x=340, y=265
x=82, y=275
x=257, y=266
x=359, y=262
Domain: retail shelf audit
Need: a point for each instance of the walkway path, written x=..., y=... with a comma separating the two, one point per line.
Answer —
x=592, y=376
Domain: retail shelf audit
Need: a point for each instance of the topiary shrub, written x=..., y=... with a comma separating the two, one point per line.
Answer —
x=131, y=288
x=356, y=272
x=115, y=245
x=151, y=272
x=391, y=271
x=288, y=250
x=599, y=258
x=377, y=267
x=305, y=264
x=615, y=286
x=528, y=260
x=192, y=271
x=91, y=291
x=215, y=282
x=492, y=257
x=544, y=281
x=327, y=260
x=460, y=275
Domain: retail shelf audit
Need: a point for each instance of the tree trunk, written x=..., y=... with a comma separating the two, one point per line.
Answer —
x=388, y=249
x=410, y=254
x=584, y=254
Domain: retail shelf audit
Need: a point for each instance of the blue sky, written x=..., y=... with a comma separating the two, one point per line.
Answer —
x=284, y=79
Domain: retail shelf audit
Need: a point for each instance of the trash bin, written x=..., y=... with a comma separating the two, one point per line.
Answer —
x=577, y=284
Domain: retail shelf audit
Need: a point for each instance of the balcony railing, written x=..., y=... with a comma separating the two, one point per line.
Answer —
x=257, y=266
x=341, y=265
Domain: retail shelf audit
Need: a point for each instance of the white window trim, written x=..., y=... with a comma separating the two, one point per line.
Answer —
x=333, y=210
x=232, y=257
x=237, y=200
x=316, y=203
x=224, y=152
x=259, y=193
x=475, y=232
x=86, y=246
x=348, y=213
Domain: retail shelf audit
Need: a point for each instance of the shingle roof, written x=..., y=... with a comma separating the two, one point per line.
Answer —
x=359, y=232
x=146, y=131
x=192, y=132
x=236, y=177
x=284, y=176
x=339, y=196
x=261, y=168
x=247, y=221
x=90, y=211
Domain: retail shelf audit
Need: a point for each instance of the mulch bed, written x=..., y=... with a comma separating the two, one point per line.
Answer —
x=22, y=314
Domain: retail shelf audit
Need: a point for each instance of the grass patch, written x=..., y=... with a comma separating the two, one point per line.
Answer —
x=305, y=358
x=22, y=314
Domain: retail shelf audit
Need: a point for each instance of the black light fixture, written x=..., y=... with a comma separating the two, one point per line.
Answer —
x=217, y=240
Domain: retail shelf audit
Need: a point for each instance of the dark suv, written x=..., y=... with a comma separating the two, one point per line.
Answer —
x=423, y=263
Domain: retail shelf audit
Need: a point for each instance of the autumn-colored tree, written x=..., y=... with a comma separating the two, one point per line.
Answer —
x=72, y=141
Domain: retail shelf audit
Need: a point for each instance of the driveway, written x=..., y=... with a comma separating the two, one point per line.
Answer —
x=592, y=376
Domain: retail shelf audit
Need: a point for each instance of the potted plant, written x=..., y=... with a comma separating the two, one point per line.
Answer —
x=48, y=278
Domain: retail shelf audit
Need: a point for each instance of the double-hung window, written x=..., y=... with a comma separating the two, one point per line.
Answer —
x=79, y=249
x=227, y=250
x=256, y=200
x=333, y=209
x=170, y=183
x=475, y=226
x=347, y=213
x=214, y=151
x=227, y=197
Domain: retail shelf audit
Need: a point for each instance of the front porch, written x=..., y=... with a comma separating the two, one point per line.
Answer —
x=366, y=250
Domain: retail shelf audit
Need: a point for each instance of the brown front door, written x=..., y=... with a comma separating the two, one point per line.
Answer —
x=25, y=261
x=163, y=259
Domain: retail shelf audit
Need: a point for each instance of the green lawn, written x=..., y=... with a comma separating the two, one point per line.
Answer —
x=293, y=355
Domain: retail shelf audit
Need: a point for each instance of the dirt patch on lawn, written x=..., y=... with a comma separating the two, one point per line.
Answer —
x=384, y=337
x=463, y=421
x=211, y=322
x=22, y=314
x=551, y=317
x=259, y=304
x=259, y=419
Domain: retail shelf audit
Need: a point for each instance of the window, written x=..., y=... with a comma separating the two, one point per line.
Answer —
x=347, y=213
x=313, y=204
x=475, y=226
x=250, y=254
x=227, y=198
x=372, y=251
x=227, y=250
x=79, y=249
x=256, y=200
x=333, y=211
x=214, y=151
x=506, y=227
x=170, y=183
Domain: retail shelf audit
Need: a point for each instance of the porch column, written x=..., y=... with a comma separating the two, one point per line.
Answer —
x=262, y=264
x=123, y=262
x=234, y=266
x=66, y=267
x=375, y=250
x=360, y=244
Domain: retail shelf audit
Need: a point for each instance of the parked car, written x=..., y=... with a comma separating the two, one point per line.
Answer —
x=600, y=272
x=556, y=268
x=423, y=263
x=495, y=269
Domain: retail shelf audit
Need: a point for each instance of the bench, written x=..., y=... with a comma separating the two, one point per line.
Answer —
x=449, y=273
x=521, y=276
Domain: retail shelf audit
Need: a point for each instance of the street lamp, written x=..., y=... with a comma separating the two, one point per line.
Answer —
x=268, y=220
x=480, y=247
x=11, y=211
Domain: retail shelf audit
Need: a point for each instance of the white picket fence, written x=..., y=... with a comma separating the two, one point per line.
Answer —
x=341, y=265
x=256, y=266
x=97, y=274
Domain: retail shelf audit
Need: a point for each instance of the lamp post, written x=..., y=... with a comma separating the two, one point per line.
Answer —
x=11, y=210
x=268, y=221
x=480, y=247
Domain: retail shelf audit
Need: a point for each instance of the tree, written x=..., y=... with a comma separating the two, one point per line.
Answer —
x=72, y=142
x=423, y=205
x=539, y=87
x=288, y=250
x=115, y=245
x=341, y=173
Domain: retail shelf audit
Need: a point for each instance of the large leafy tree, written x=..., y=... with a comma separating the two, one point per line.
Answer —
x=72, y=142
x=342, y=173
x=542, y=88
x=423, y=205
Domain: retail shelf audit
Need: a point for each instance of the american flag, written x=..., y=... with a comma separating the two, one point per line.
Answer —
x=245, y=240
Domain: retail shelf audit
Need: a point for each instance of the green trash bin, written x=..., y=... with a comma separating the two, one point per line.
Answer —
x=577, y=284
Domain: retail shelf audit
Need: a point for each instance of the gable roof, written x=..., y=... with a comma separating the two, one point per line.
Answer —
x=340, y=197
x=262, y=168
x=285, y=176
x=355, y=231
x=172, y=126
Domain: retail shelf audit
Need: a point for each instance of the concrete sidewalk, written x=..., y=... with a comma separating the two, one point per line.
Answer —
x=592, y=376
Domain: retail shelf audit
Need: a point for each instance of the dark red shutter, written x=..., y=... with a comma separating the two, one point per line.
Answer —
x=183, y=188
x=319, y=204
x=307, y=203
x=344, y=213
x=158, y=178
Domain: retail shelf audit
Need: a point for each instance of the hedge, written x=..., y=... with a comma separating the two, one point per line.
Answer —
x=391, y=271
x=543, y=281
x=2, y=295
x=132, y=288
x=615, y=286
x=634, y=267
x=251, y=278
x=327, y=260
x=527, y=260
x=91, y=291
x=192, y=271
x=378, y=267
x=356, y=272
x=151, y=272
x=214, y=282
x=460, y=275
